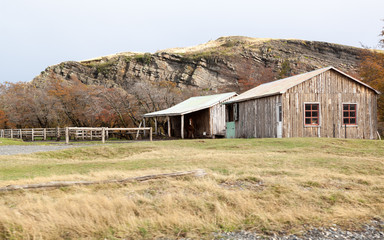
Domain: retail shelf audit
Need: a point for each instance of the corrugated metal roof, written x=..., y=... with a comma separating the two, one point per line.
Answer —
x=192, y=104
x=282, y=85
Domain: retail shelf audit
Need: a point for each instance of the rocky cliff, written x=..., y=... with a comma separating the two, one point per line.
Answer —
x=225, y=64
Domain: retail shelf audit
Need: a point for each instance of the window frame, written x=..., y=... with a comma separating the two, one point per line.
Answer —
x=318, y=114
x=356, y=112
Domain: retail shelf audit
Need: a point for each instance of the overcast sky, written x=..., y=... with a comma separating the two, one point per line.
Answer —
x=39, y=33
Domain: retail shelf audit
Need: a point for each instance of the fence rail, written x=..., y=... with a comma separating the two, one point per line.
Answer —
x=76, y=133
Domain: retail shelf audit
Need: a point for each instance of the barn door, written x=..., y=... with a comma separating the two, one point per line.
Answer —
x=279, y=121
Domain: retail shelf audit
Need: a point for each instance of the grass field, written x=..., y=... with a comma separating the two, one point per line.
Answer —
x=7, y=141
x=266, y=185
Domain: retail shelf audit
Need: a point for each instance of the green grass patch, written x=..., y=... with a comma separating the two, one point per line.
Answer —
x=7, y=141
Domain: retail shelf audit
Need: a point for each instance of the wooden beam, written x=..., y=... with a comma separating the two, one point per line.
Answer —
x=144, y=125
x=137, y=134
x=150, y=134
x=182, y=126
x=169, y=126
x=103, y=135
x=156, y=126
x=67, y=135
x=195, y=173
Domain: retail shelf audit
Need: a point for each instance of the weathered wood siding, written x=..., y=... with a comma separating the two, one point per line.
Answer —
x=257, y=118
x=330, y=89
x=217, y=119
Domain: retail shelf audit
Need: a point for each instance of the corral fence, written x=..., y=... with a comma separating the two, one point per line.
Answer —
x=76, y=133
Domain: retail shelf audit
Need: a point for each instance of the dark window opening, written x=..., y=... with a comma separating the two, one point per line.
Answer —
x=312, y=114
x=229, y=112
x=349, y=114
x=235, y=111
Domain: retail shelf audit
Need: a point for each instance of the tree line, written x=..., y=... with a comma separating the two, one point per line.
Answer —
x=61, y=102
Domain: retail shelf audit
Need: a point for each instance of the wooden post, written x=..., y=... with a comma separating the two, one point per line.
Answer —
x=103, y=135
x=156, y=126
x=138, y=131
x=45, y=134
x=169, y=126
x=67, y=135
x=2, y=133
x=91, y=134
x=21, y=134
x=33, y=134
x=150, y=134
x=182, y=126
x=345, y=126
x=144, y=125
x=11, y=133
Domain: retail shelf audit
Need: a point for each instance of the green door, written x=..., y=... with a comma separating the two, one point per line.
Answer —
x=230, y=130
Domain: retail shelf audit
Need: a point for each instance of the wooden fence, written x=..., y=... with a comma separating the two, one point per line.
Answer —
x=76, y=133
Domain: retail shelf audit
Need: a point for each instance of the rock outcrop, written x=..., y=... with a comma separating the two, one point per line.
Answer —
x=220, y=65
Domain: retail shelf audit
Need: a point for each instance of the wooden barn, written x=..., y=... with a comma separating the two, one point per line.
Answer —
x=202, y=116
x=323, y=103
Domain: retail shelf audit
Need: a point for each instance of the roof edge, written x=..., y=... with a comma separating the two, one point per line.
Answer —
x=250, y=98
x=186, y=112
x=362, y=83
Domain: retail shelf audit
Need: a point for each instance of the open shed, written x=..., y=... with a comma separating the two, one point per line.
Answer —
x=202, y=116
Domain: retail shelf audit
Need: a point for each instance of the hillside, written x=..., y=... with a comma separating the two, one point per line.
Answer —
x=225, y=64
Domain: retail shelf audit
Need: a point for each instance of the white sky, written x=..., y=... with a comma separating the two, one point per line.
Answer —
x=39, y=33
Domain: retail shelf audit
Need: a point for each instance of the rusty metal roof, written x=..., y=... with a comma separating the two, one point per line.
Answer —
x=282, y=85
x=193, y=104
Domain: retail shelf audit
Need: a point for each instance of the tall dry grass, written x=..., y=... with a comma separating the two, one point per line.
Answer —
x=262, y=185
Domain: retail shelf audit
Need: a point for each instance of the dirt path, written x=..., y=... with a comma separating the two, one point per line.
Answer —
x=25, y=149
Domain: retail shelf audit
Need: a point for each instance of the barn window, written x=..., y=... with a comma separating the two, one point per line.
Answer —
x=235, y=111
x=349, y=113
x=311, y=116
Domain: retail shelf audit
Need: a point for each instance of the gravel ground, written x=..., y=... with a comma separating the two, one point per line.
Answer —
x=374, y=230
x=25, y=149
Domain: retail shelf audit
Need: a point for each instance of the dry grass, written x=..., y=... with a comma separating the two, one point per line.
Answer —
x=259, y=184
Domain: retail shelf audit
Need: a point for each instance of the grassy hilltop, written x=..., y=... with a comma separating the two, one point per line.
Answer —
x=266, y=185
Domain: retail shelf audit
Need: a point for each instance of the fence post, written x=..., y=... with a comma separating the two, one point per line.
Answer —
x=11, y=133
x=2, y=133
x=45, y=134
x=21, y=134
x=150, y=134
x=66, y=135
x=33, y=134
x=103, y=135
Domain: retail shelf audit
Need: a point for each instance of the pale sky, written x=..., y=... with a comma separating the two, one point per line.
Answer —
x=38, y=33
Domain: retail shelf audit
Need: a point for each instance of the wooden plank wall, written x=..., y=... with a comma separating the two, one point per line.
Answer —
x=257, y=118
x=217, y=119
x=331, y=89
